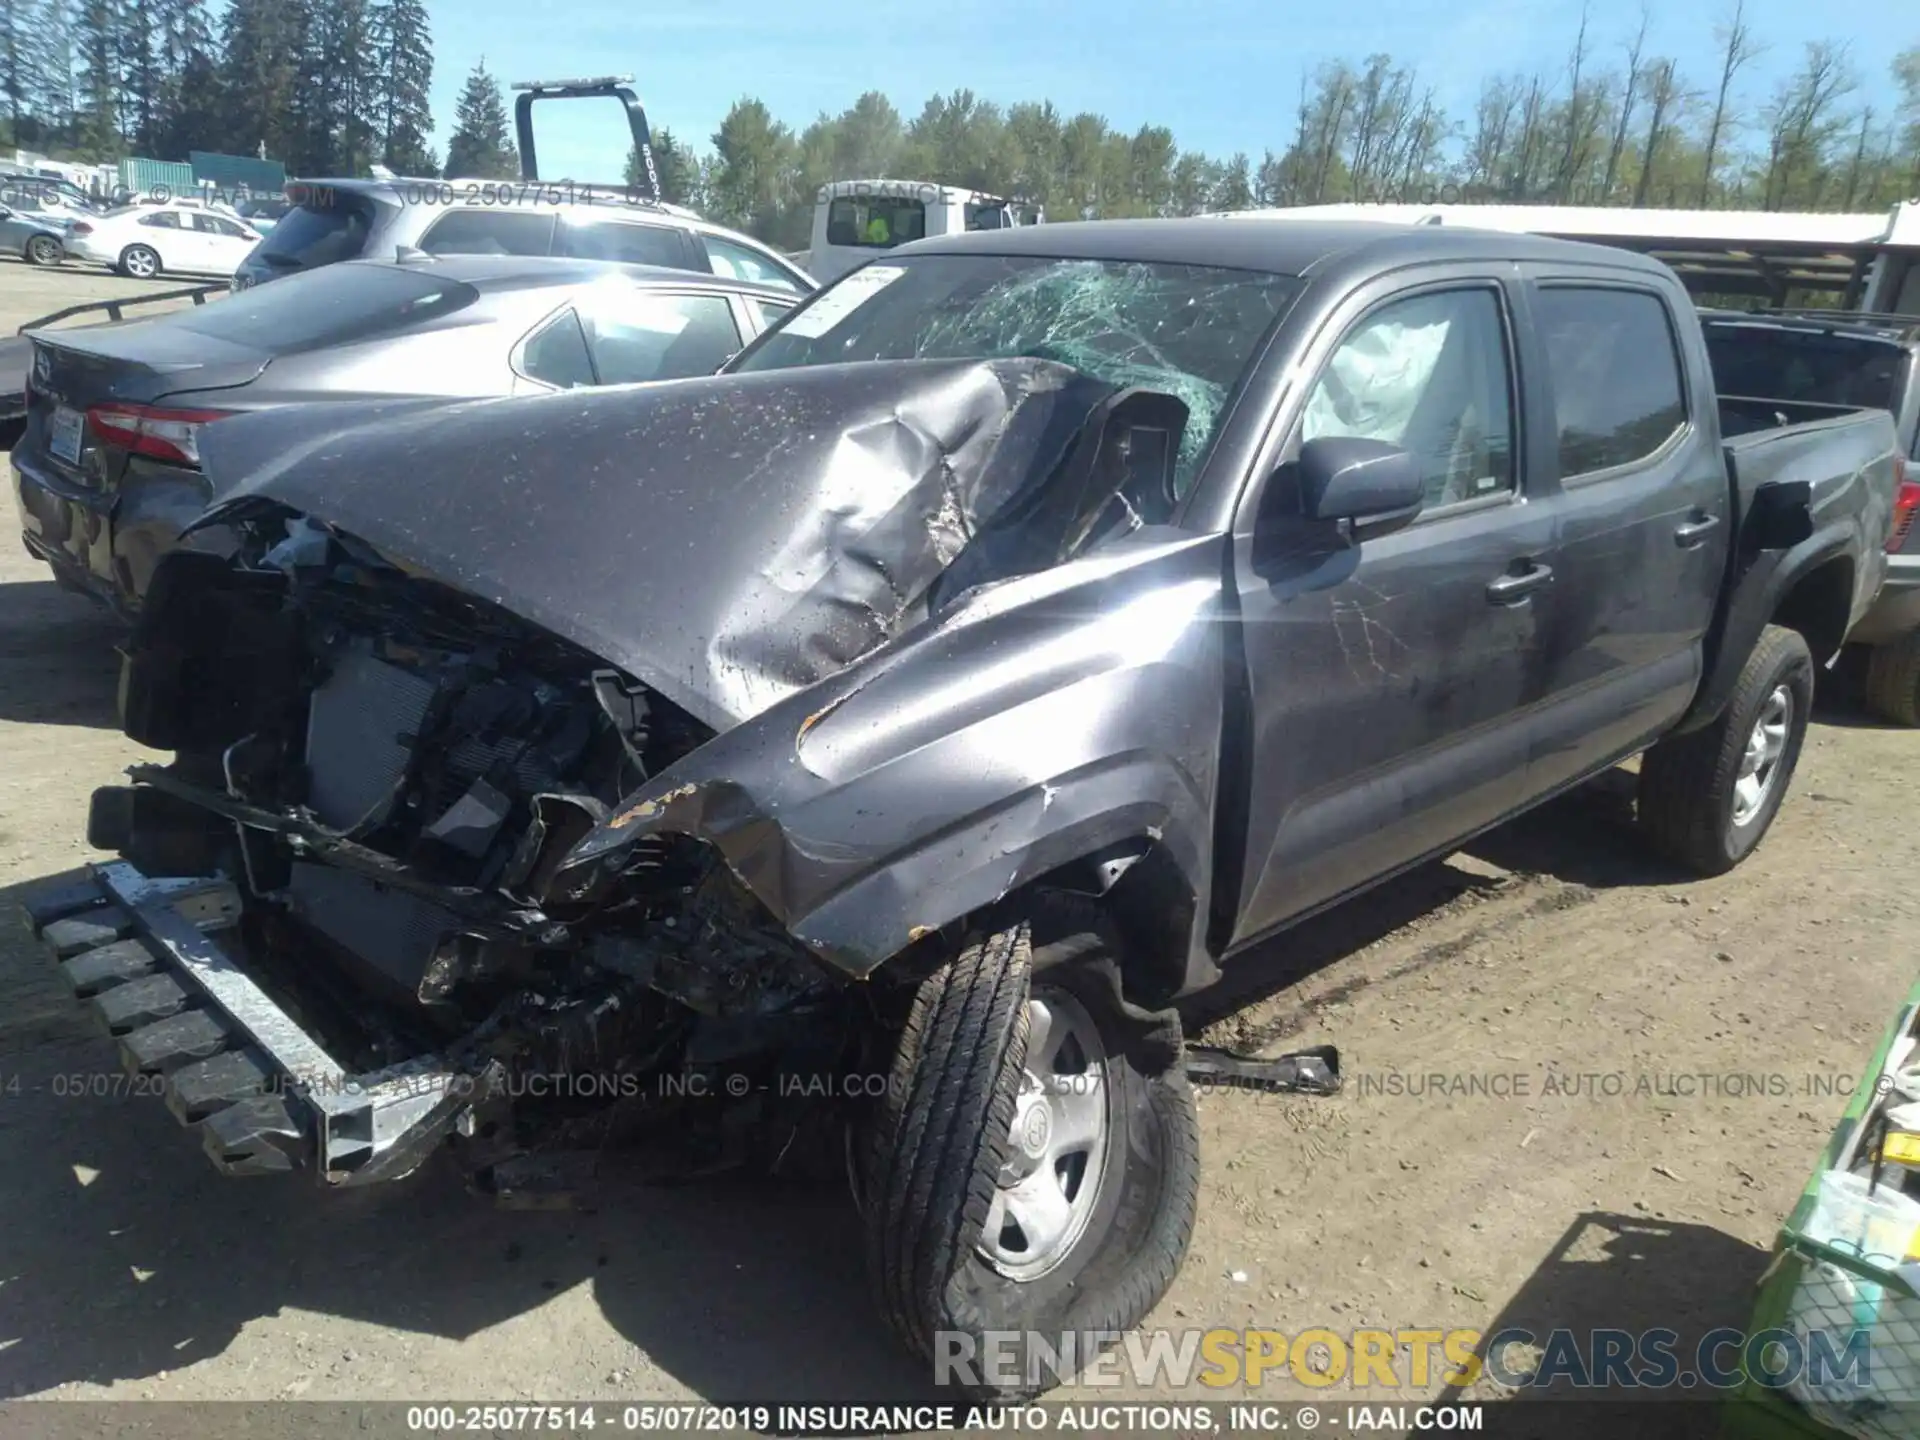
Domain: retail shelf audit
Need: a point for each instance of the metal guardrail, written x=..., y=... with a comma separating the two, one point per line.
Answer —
x=116, y=306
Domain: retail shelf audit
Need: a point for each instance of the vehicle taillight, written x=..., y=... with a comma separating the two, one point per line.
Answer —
x=1906, y=503
x=80, y=227
x=150, y=430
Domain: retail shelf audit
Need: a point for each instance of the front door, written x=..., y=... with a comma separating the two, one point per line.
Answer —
x=1389, y=680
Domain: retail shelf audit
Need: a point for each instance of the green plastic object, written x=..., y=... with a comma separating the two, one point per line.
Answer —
x=1802, y=1277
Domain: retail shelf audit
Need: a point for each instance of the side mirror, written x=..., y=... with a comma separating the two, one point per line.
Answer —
x=1367, y=485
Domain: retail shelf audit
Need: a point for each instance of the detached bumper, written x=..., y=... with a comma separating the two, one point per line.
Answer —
x=156, y=962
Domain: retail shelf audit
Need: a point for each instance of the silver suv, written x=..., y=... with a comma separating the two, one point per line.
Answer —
x=332, y=220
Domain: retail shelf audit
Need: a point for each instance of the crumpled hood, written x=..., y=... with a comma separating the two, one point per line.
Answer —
x=727, y=540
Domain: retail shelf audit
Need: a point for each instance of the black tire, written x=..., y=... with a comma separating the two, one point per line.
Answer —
x=1893, y=680
x=129, y=265
x=45, y=251
x=1687, y=782
x=942, y=1136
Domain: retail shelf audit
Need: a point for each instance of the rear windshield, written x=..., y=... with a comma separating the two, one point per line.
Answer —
x=319, y=232
x=1766, y=362
x=333, y=305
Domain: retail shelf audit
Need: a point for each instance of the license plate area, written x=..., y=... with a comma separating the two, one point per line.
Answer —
x=64, y=434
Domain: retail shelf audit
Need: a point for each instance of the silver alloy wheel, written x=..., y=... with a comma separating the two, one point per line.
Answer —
x=44, y=250
x=1045, y=1192
x=1760, y=763
x=142, y=263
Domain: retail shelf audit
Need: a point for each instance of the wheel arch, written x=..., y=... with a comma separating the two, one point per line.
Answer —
x=1808, y=589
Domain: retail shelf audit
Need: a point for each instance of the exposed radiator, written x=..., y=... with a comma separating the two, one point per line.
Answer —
x=360, y=730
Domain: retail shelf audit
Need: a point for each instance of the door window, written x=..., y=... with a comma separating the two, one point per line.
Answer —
x=771, y=312
x=489, y=232
x=1428, y=373
x=162, y=220
x=1615, y=368
x=556, y=354
x=650, y=335
x=624, y=242
x=740, y=263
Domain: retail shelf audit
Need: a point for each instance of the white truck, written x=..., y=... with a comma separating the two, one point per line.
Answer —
x=853, y=220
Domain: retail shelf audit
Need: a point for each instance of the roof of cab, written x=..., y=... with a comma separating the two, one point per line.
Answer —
x=1280, y=246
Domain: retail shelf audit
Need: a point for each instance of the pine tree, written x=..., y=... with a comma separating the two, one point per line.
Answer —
x=261, y=47
x=335, y=98
x=190, y=98
x=98, y=44
x=676, y=165
x=480, y=148
x=140, y=74
x=402, y=79
x=49, y=41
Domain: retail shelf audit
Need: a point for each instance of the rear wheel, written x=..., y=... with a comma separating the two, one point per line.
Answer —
x=45, y=250
x=1893, y=680
x=1706, y=798
x=141, y=262
x=1034, y=1168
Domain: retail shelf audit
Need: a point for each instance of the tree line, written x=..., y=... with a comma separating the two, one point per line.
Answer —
x=324, y=86
x=331, y=87
x=1616, y=123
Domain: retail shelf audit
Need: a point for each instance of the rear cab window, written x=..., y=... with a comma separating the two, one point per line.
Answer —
x=321, y=227
x=1613, y=362
x=331, y=305
x=1779, y=362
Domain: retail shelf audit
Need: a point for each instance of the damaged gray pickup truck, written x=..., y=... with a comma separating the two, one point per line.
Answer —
x=884, y=733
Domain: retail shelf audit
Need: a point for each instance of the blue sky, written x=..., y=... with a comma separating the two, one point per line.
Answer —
x=1223, y=76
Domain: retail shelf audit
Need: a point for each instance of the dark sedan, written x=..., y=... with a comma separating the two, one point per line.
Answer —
x=108, y=469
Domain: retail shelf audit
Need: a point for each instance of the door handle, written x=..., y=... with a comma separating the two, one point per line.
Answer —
x=1515, y=586
x=1693, y=534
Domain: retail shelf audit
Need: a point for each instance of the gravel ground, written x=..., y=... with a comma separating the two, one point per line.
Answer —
x=1582, y=1092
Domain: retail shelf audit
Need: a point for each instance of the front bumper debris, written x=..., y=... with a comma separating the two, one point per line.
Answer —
x=154, y=960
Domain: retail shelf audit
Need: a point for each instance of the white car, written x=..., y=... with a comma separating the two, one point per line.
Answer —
x=164, y=239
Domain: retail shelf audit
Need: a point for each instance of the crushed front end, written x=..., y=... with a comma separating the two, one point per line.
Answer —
x=336, y=930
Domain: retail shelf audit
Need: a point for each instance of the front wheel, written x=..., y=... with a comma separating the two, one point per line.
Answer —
x=44, y=250
x=1706, y=798
x=1034, y=1169
x=141, y=262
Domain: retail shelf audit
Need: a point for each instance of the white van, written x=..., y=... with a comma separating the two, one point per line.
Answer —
x=853, y=220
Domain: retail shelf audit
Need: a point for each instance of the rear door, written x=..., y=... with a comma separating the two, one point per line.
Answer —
x=222, y=243
x=1391, y=680
x=1640, y=516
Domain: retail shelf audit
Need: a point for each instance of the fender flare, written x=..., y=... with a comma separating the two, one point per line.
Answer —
x=1751, y=604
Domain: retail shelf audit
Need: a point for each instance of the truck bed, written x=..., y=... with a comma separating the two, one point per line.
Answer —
x=1845, y=458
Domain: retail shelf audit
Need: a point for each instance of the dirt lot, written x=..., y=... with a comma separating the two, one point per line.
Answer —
x=128, y=1269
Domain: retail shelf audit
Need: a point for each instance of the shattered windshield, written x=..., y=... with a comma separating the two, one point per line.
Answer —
x=1188, y=330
